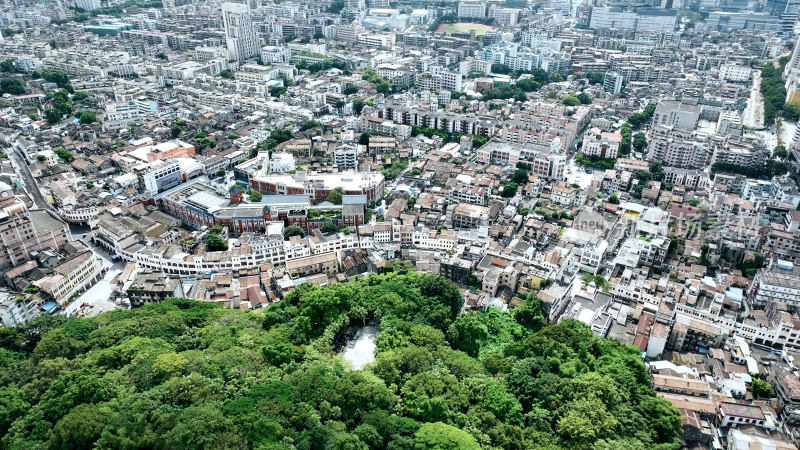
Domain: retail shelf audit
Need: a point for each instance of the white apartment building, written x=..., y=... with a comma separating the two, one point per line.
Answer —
x=346, y=158
x=208, y=53
x=431, y=239
x=240, y=34
x=599, y=143
x=523, y=61
x=733, y=72
x=14, y=313
x=273, y=54
x=504, y=16
x=474, y=65
x=49, y=156
x=780, y=283
x=378, y=126
x=382, y=232
x=451, y=80
x=120, y=115
x=640, y=19
x=87, y=5
x=592, y=254
x=612, y=82
x=390, y=70
x=677, y=147
x=73, y=275
x=254, y=73
x=376, y=40
x=320, y=243
x=281, y=162
x=471, y=9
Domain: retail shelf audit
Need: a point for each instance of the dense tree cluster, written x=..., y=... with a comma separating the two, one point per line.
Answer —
x=336, y=7
x=327, y=63
x=60, y=107
x=509, y=190
x=255, y=196
x=309, y=124
x=771, y=168
x=188, y=375
x=178, y=127
x=358, y=105
x=350, y=89
x=595, y=161
x=637, y=120
x=595, y=77
x=214, y=241
x=293, y=230
x=86, y=117
x=63, y=153
x=61, y=79
x=277, y=136
x=13, y=86
x=625, y=143
x=335, y=195
x=7, y=66
x=477, y=140
x=774, y=92
x=382, y=85
x=394, y=170
x=504, y=92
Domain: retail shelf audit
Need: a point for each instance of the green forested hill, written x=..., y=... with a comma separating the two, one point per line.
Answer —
x=188, y=375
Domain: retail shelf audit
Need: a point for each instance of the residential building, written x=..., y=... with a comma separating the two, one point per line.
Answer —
x=612, y=82
x=600, y=143
x=148, y=287
x=471, y=9
x=240, y=34
x=78, y=273
x=468, y=215
x=24, y=234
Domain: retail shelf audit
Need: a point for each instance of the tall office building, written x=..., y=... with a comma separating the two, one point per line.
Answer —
x=792, y=75
x=788, y=12
x=240, y=34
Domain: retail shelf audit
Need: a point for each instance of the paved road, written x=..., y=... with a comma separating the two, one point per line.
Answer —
x=26, y=178
x=99, y=295
x=84, y=234
x=753, y=114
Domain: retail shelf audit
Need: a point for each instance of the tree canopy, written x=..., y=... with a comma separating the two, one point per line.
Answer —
x=215, y=242
x=182, y=374
x=335, y=195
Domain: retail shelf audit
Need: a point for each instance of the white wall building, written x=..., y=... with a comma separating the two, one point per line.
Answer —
x=733, y=72
x=273, y=54
x=471, y=9
x=14, y=313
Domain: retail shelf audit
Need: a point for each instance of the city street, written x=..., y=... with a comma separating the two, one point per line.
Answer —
x=753, y=114
x=24, y=175
x=98, y=295
x=84, y=235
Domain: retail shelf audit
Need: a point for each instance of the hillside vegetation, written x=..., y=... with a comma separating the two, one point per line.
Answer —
x=187, y=375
